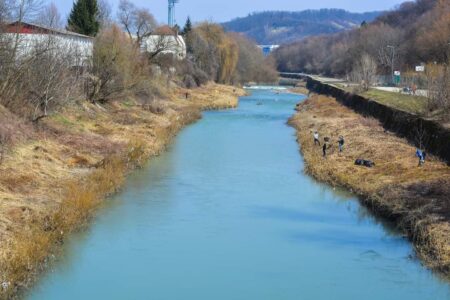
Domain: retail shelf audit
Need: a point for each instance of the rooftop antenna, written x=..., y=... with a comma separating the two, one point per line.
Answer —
x=172, y=12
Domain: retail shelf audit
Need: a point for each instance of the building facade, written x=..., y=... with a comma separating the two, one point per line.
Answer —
x=165, y=41
x=31, y=38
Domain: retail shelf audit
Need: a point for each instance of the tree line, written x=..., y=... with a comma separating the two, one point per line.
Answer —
x=416, y=33
x=280, y=27
x=36, y=83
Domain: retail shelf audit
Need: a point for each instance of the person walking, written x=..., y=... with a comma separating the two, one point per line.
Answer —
x=324, y=149
x=341, y=143
x=316, y=138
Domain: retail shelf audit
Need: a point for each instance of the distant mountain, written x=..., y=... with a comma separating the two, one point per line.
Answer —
x=280, y=27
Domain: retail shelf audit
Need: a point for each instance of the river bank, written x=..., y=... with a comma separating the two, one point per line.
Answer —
x=58, y=173
x=416, y=198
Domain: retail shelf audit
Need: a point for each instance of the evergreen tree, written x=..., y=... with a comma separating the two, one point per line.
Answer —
x=187, y=27
x=84, y=17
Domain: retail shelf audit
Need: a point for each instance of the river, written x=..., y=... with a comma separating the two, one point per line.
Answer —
x=227, y=213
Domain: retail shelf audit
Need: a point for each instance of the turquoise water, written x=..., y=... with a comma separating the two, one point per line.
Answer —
x=227, y=213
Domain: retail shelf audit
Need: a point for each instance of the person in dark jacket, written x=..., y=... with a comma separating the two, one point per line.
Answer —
x=341, y=143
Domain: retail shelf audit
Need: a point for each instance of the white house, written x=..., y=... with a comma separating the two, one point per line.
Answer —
x=165, y=41
x=31, y=37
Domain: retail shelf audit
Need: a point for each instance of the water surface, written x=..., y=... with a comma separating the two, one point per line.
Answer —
x=227, y=213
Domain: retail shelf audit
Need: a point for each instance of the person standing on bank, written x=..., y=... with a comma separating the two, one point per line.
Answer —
x=341, y=143
x=316, y=138
x=324, y=149
x=421, y=155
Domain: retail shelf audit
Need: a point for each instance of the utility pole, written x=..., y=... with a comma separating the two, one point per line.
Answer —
x=392, y=63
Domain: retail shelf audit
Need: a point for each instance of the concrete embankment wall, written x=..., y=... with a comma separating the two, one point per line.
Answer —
x=434, y=137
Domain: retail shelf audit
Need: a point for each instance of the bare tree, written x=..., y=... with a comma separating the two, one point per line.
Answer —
x=35, y=74
x=104, y=13
x=10, y=67
x=157, y=44
x=25, y=10
x=50, y=17
x=364, y=71
x=139, y=23
x=420, y=135
x=438, y=78
x=46, y=93
x=117, y=67
x=5, y=12
x=5, y=138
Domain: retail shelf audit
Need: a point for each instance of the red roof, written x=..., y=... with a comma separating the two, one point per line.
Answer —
x=29, y=28
x=165, y=30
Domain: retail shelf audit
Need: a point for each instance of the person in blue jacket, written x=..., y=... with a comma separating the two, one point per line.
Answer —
x=421, y=155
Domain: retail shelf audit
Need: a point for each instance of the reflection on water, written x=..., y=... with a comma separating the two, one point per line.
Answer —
x=227, y=213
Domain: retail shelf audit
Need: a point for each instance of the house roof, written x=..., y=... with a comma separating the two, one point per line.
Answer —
x=45, y=29
x=164, y=30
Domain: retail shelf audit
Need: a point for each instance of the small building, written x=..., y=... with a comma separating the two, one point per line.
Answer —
x=30, y=37
x=165, y=41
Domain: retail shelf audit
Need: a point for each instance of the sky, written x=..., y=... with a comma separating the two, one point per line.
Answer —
x=225, y=10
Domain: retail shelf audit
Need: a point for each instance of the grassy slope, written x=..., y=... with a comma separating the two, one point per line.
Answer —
x=53, y=179
x=417, y=198
x=409, y=103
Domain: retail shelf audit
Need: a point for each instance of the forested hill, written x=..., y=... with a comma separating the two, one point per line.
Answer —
x=279, y=27
x=417, y=30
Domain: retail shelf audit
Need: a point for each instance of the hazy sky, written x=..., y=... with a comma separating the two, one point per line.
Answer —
x=224, y=10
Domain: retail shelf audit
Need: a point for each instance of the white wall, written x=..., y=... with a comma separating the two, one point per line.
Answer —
x=79, y=49
x=167, y=44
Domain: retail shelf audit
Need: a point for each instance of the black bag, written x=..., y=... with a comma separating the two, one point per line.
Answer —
x=365, y=163
x=359, y=162
x=369, y=163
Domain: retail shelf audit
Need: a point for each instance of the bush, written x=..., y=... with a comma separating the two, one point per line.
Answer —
x=39, y=81
x=117, y=67
x=189, y=81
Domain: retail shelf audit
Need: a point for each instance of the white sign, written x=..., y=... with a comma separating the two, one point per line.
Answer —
x=420, y=68
x=397, y=73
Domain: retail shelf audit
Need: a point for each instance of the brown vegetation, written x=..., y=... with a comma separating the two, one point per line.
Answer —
x=51, y=186
x=419, y=30
x=225, y=57
x=60, y=154
x=415, y=197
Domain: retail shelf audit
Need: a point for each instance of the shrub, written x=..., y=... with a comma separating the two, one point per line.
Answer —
x=117, y=67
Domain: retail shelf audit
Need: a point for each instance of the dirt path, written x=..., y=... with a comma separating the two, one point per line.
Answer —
x=416, y=198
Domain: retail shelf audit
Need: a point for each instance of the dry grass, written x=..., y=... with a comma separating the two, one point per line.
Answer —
x=30, y=249
x=391, y=185
x=300, y=88
x=52, y=183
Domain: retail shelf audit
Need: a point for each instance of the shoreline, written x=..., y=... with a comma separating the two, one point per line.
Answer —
x=414, y=198
x=59, y=177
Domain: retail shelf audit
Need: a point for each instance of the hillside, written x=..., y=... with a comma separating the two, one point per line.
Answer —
x=418, y=30
x=280, y=27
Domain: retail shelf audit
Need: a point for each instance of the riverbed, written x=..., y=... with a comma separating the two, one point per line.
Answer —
x=227, y=213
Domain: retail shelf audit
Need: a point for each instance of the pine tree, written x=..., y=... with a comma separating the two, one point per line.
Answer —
x=84, y=17
x=187, y=27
